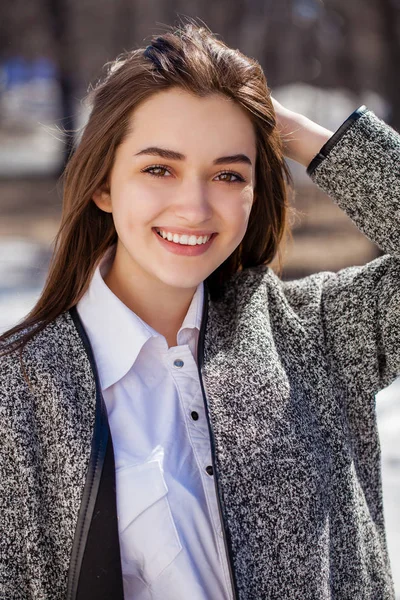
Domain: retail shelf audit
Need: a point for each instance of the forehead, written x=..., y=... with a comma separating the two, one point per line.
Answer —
x=185, y=122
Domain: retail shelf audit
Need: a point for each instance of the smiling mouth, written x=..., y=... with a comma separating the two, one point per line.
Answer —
x=184, y=239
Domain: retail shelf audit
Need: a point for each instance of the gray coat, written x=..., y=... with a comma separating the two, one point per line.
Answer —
x=289, y=372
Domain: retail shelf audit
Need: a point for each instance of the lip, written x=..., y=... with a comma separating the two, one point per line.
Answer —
x=183, y=249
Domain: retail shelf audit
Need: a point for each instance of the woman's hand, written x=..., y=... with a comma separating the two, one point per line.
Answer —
x=302, y=138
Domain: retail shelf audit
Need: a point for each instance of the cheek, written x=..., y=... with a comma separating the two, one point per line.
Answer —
x=134, y=206
x=242, y=210
x=248, y=199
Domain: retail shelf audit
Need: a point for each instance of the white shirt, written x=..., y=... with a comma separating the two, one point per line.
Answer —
x=171, y=540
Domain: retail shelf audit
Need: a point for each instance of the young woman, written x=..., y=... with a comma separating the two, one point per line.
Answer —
x=176, y=421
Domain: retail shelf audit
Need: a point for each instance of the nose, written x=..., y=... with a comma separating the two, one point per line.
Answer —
x=192, y=202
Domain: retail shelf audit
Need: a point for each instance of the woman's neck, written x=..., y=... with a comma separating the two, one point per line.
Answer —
x=161, y=306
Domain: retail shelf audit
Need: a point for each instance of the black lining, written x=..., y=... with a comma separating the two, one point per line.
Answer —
x=101, y=574
x=95, y=468
x=327, y=147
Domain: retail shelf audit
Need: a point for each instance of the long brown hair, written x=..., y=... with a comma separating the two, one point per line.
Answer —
x=192, y=58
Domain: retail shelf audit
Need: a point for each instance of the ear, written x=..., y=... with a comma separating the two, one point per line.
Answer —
x=102, y=198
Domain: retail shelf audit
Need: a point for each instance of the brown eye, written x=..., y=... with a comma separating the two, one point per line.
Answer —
x=228, y=175
x=157, y=171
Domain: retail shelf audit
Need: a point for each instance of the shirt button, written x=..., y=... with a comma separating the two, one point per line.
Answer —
x=209, y=470
x=178, y=363
x=194, y=415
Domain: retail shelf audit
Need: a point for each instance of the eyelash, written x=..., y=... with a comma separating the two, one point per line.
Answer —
x=148, y=170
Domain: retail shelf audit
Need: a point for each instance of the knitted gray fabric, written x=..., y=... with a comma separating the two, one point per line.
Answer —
x=290, y=373
x=45, y=442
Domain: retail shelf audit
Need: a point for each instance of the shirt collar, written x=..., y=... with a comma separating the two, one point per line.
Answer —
x=115, y=332
x=193, y=316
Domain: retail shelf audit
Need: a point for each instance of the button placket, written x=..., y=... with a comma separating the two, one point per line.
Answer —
x=193, y=403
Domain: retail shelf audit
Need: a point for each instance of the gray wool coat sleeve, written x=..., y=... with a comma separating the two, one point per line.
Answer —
x=360, y=306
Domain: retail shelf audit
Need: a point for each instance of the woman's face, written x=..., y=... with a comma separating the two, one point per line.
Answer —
x=185, y=171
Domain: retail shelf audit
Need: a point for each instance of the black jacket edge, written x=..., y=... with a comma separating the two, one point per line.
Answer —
x=95, y=467
x=339, y=133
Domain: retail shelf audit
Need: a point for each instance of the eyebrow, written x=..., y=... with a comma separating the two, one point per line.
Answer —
x=172, y=155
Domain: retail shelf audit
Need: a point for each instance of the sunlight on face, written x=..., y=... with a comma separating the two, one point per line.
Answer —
x=187, y=166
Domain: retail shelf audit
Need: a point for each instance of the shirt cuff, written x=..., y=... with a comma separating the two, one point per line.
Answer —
x=327, y=147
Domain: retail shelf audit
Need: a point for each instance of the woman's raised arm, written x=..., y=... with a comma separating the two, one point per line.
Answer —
x=359, y=307
x=302, y=138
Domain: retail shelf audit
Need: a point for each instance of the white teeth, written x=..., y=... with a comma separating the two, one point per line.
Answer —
x=184, y=239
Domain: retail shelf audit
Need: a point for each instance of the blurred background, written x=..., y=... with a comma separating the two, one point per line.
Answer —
x=321, y=58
